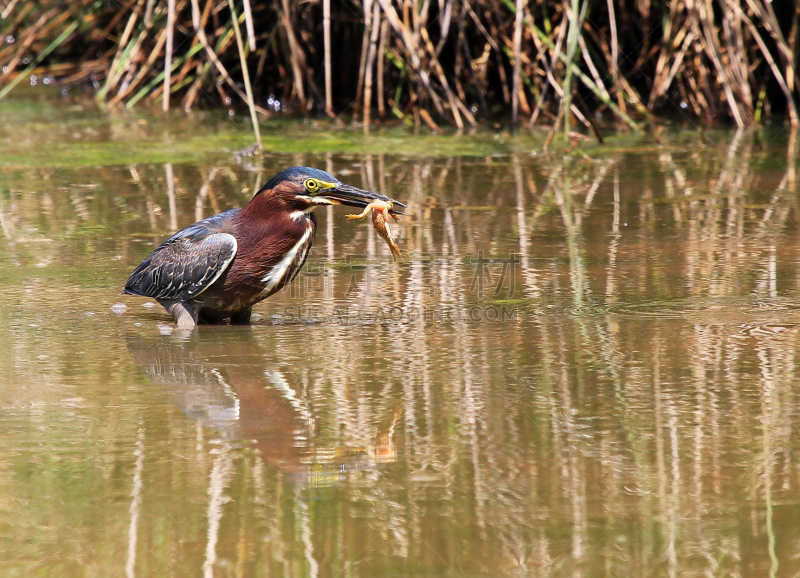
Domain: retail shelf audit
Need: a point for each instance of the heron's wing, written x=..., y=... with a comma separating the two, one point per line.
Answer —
x=184, y=265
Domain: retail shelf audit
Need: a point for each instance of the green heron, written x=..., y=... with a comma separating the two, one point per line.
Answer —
x=221, y=266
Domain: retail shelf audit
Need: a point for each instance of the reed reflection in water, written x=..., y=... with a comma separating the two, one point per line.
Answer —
x=582, y=367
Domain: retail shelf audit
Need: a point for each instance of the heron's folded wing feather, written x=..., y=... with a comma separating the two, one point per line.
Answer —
x=183, y=266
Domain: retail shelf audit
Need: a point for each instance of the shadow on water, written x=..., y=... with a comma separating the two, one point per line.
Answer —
x=582, y=366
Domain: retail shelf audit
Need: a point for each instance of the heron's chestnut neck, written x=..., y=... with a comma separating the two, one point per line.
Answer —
x=268, y=220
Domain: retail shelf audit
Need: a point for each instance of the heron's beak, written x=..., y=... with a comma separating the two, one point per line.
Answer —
x=343, y=194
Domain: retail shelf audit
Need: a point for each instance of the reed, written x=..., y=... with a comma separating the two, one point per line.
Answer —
x=457, y=62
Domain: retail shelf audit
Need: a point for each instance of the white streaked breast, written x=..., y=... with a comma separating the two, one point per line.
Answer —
x=277, y=273
x=299, y=215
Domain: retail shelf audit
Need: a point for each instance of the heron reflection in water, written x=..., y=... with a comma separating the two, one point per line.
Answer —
x=226, y=384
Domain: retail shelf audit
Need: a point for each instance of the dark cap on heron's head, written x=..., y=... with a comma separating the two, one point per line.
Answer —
x=298, y=175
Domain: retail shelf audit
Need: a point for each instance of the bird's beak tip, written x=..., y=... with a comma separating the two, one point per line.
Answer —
x=351, y=196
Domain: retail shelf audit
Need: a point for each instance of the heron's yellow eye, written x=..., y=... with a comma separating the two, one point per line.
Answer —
x=311, y=185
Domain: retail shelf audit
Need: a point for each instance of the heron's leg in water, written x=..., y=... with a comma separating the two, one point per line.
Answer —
x=184, y=314
x=242, y=317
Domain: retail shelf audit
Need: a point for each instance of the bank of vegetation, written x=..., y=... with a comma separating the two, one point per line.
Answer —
x=430, y=63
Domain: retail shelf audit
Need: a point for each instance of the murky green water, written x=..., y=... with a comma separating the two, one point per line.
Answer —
x=585, y=365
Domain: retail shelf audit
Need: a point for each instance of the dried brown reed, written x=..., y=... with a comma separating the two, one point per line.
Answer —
x=458, y=62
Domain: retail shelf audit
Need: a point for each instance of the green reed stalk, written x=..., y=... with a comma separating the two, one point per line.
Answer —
x=245, y=73
x=124, y=51
x=517, y=67
x=587, y=81
x=326, y=32
x=160, y=76
x=42, y=55
x=168, y=54
x=575, y=22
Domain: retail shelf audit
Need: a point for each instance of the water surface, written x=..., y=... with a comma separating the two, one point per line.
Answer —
x=585, y=364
